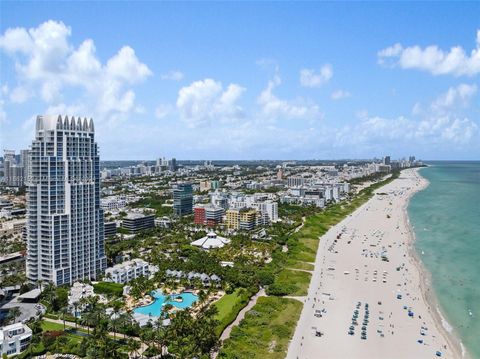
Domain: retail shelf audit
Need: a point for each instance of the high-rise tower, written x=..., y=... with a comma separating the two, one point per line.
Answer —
x=183, y=199
x=65, y=239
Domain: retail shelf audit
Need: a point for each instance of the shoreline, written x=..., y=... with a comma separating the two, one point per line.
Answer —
x=426, y=287
x=351, y=271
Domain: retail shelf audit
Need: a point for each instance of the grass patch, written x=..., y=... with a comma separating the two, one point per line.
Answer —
x=108, y=288
x=266, y=330
x=229, y=306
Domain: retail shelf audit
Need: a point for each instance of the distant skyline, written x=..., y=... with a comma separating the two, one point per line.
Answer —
x=250, y=80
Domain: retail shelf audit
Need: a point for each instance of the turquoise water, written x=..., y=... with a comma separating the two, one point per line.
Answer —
x=155, y=308
x=446, y=220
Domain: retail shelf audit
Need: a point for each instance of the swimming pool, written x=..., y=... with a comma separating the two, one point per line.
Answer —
x=155, y=309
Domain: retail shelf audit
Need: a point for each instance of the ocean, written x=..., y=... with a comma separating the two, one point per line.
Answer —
x=446, y=221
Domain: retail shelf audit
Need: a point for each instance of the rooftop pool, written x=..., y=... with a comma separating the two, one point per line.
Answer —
x=155, y=309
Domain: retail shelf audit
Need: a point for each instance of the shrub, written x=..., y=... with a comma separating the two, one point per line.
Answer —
x=281, y=289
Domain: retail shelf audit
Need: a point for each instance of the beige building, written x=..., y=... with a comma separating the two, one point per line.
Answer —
x=245, y=218
x=232, y=218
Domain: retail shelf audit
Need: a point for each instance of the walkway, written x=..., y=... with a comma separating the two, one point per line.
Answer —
x=226, y=332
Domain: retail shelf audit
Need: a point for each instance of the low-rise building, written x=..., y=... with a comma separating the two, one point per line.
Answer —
x=12, y=227
x=163, y=222
x=136, y=222
x=14, y=339
x=211, y=241
x=110, y=229
x=126, y=271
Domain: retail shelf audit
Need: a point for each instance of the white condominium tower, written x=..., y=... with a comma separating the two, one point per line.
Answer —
x=65, y=223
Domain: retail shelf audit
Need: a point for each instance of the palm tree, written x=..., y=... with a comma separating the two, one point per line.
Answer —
x=63, y=313
x=13, y=314
x=75, y=308
x=133, y=346
x=202, y=297
x=36, y=328
x=114, y=318
x=40, y=284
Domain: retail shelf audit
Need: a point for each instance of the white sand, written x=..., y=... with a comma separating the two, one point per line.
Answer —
x=348, y=273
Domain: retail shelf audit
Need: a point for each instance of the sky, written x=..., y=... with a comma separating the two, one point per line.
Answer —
x=247, y=80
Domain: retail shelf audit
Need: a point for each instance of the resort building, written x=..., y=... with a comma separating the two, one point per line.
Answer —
x=65, y=239
x=211, y=241
x=77, y=292
x=14, y=339
x=126, y=271
x=136, y=222
x=183, y=199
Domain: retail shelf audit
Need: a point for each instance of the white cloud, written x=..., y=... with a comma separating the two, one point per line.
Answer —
x=50, y=63
x=433, y=59
x=340, y=94
x=432, y=130
x=126, y=66
x=455, y=96
x=312, y=78
x=273, y=108
x=5, y=90
x=173, y=75
x=19, y=94
x=204, y=102
x=163, y=111
x=3, y=114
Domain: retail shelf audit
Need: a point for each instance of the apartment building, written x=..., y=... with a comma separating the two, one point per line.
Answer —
x=65, y=238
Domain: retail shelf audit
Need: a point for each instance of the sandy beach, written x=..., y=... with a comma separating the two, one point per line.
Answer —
x=369, y=296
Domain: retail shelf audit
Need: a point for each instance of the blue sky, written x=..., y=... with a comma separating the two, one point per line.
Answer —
x=251, y=80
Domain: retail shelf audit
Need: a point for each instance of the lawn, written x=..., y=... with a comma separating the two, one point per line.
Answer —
x=52, y=327
x=108, y=288
x=266, y=330
x=229, y=306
